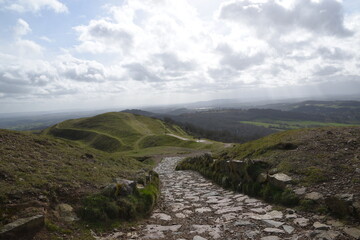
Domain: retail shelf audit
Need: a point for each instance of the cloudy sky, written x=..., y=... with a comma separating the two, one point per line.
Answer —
x=82, y=54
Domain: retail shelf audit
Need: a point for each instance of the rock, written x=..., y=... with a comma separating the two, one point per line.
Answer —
x=288, y=229
x=199, y=238
x=315, y=196
x=273, y=230
x=66, y=212
x=353, y=232
x=203, y=210
x=162, y=216
x=262, y=178
x=243, y=223
x=228, y=209
x=251, y=234
x=335, y=223
x=121, y=187
x=273, y=223
x=347, y=197
x=320, y=226
x=125, y=187
x=24, y=228
x=300, y=191
x=180, y=215
x=327, y=235
x=303, y=222
x=270, y=238
x=275, y=214
x=280, y=179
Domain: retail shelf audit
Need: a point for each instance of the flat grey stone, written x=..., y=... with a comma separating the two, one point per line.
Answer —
x=270, y=238
x=300, y=191
x=320, y=226
x=199, y=238
x=252, y=234
x=273, y=223
x=288, y=229
x=203, y=210
x=162, y=216
x=273, y=230
x=242, y=223
x=24, y=228
x=314, y=196
x=303, y=222
x=353, y=232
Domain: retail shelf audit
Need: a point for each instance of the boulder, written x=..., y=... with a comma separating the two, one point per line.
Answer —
x=24, y=228
x=121, y=187
x=280, y=180
x=262, y=178
x=66, y=212
x=315, y=196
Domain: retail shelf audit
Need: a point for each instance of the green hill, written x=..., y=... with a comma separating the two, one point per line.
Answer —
x=123, y=132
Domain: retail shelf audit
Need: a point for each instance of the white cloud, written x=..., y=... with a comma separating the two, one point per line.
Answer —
x=148, y=49
x=21, y=28
x=271, y=17
x=28, y=48
x=34, y=5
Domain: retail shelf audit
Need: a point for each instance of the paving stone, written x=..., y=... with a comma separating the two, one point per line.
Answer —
x=303, y=222
x=161, y=216
x=288, y=229
x=273, y=223
x=353, y=232
x=199, y=238
x=203, y=210
x=273, y=230
x=270, y=238
x=321, y=226
x=243, y=223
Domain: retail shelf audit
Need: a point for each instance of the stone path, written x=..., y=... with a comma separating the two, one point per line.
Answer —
x=194, y=208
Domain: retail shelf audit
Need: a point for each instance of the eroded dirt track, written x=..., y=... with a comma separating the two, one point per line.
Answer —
x=194, y=208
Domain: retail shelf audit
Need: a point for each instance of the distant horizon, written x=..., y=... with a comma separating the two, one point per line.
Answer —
x=241, y=102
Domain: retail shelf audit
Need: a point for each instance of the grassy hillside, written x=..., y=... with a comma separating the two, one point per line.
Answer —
x=127, y=133
x=323, y=160
x=39, y=172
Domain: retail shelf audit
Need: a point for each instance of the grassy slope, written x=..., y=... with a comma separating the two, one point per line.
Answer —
x=124, y=132
x=37, y=167
x=324, y=160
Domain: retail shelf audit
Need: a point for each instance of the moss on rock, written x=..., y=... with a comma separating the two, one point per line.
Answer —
x=106, y=208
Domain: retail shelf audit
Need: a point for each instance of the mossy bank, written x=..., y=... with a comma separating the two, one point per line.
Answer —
x=315, y=169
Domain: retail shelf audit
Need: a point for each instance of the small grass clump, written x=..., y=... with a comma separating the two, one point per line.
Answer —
x=315, y=175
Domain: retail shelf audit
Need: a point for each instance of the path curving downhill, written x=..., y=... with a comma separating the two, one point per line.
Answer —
x=193, y=208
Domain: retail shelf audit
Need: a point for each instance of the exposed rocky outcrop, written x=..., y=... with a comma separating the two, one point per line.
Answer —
x=24, y=228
